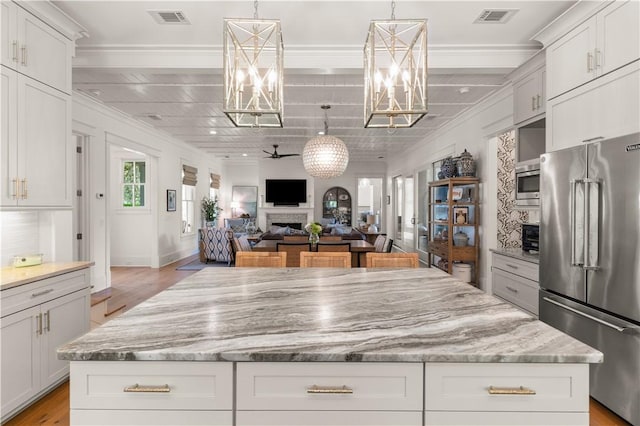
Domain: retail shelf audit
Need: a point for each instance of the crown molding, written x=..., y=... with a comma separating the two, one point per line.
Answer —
x=49, y=13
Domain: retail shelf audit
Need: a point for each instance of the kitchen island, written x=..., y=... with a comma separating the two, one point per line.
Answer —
x=264, y=346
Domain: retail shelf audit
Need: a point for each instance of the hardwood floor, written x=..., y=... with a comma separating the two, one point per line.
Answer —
x=130, y=286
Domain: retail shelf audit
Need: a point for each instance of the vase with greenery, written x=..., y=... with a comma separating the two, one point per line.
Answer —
x=314, y=229
x=210, y=211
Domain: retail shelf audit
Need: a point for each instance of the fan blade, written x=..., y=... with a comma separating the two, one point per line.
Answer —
x=267, y=152
x=288, y=155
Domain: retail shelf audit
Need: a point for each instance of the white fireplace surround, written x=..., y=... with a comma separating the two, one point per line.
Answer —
x=301, y=218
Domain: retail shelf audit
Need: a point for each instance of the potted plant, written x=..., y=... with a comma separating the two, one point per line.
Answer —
x=210, y=211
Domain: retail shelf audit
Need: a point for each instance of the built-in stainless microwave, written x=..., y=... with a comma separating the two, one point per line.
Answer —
x=528, y=184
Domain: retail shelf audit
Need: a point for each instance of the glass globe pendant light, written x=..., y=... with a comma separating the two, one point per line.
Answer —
x=325, y=156
x=395, y=72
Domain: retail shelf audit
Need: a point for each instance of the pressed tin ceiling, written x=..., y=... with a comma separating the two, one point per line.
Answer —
x=170, y=76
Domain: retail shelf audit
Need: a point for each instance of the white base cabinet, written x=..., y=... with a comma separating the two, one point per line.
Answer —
x=516, y=281
x=309, y=393
x=37, y=318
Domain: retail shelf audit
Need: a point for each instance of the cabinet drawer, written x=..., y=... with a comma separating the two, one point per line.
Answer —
x=334, y=418
x=505, y=419
x=465, y=387
x=151, y=418
x=192, y=385
x=374, y=386
x=528, y=270
x=517, y=290
x=28, y=295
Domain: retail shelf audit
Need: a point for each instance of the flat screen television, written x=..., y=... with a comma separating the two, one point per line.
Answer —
x=286, y=192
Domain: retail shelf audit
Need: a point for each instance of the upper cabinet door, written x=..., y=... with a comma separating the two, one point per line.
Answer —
x=8, y=145
x=8, y=37
x=528, y=94
x=44, y=53
x=618, y=36
x=571, y=60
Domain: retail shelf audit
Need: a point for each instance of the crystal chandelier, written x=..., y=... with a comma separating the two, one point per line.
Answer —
x=325, y=156
x=395, y=72
x=252, y=69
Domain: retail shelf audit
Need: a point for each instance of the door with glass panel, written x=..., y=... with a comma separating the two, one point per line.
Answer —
x=404, y=219
x=422, y=228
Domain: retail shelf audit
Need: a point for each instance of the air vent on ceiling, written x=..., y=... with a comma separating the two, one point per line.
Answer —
x=169, y=17
x=495, y=16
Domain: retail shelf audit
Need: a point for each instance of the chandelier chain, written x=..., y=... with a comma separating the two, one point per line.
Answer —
x=393, y=10
x=255, y=9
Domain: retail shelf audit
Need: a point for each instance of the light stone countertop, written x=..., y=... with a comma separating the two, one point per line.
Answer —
x=517, y=253
x=300, y=314
x=12, y=277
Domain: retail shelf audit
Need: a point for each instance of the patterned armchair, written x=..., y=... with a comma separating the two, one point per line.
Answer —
x=215, y=245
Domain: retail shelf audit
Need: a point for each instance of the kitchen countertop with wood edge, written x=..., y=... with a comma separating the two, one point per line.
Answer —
x=326, y=315
x=12, y=277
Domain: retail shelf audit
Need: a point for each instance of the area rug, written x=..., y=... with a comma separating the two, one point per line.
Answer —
x=196, y=265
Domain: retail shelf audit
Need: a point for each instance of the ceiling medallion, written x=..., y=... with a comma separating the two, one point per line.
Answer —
x=252, y=71
x=325, y=156
x=395, y=72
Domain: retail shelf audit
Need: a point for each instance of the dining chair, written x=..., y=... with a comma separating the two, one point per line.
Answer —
x=296, y=238
x=392, y=260
x=388, y=245
x=330, y=238
x=268, y=259
x=378, y=244
x=293, y=251
x=334, y=247
x=325, y=260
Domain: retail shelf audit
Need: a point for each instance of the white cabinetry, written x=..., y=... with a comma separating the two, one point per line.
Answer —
x=36, y=148
x=529, y=96
x=491, y=394
x=516, y=281
x=601, y=109
x=37, y=318
x=323, y=393
x=152, y=393
x=34, y=49
x=603, y=43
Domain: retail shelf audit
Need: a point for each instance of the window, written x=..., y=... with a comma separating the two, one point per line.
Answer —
x=188, y=206
x=189, y=181
x=133, y=182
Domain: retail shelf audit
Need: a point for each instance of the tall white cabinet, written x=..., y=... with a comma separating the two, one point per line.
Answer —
x=36, y=154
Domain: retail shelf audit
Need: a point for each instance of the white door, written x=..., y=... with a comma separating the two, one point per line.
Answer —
x=398, y=203
x=409, y=217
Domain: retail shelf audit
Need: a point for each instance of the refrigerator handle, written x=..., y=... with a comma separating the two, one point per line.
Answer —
x=623, y=330
x=592, y=223
x=577, y=238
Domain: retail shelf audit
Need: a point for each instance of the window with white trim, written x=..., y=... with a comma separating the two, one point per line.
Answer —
x=189, y=181
x=134, y=178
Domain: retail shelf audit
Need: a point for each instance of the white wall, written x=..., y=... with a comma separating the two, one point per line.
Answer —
x=471, y=131
x=106, y=127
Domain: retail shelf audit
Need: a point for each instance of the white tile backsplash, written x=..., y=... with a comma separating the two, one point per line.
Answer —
x=20, y=235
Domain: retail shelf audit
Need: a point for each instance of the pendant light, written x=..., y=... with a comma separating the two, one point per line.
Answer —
x=252, y=70
x=395, y=72
x=325, y=156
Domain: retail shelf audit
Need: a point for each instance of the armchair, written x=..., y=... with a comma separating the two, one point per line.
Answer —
x=215, y=245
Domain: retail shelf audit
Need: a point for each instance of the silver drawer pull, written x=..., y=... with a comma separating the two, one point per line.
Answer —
x=148, y=389
x=511, y=391
x=41, y=293
x=511, y=266
x=330, y=389
x=512, y=289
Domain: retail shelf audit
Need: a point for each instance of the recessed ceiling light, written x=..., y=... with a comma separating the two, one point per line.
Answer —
x=213, y=132
x=94, y=92
x=244, y=154
x=463, y=90
x=321, y=132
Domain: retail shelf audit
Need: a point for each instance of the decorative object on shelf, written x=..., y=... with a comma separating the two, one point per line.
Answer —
x=466, y=165
x=171, y=200
x=252, y=71
x=448, y=168
x=251, y=227
x=325, y=156
x=456, y=193
x=210, y=211
x=314, y=229
x=460, y=239
x=462, y=271
x=461, y=215
x=395, y=72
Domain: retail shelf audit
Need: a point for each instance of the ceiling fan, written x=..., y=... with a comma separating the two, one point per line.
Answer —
x=277, y=156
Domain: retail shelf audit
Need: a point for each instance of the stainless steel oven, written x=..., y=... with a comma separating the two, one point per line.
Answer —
x=528, y=184
x=531, y=237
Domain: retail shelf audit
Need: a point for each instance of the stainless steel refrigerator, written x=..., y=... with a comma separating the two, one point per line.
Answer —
x=590, y=260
